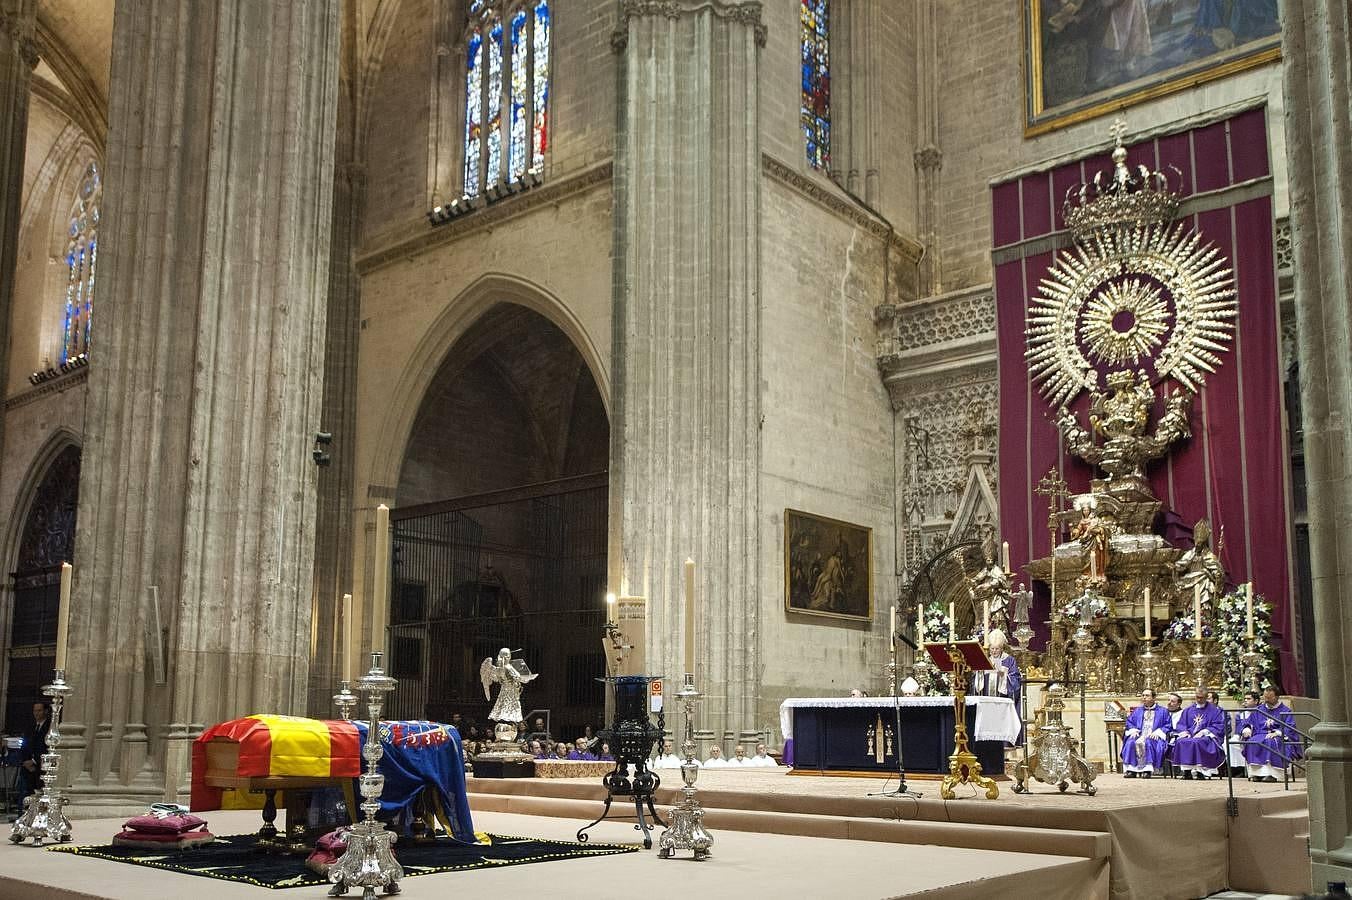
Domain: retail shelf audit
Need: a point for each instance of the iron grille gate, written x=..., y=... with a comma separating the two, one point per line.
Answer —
x=524, y=569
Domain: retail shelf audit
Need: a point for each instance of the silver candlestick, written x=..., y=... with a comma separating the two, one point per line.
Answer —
x=686, y=830
x=368, y=862
x=44, y=813
x=345, y=700
x=1252, y=661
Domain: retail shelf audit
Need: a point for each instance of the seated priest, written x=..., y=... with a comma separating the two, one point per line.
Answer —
x=763, y=759
x=1145, y=738
x=739, y=757
x=1273, y=729
x=1234, y=750
x=580, y=751
x=715, y=760
x=668, y=759
x=1199, y=749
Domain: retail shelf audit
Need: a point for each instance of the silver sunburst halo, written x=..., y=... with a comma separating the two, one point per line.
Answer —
x=1116, y=270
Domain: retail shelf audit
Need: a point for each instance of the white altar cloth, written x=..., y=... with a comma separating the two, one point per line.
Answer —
x=995, y=718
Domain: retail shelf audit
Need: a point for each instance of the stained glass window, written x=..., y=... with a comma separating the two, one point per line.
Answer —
x=474, y=76
x=816, y=63
x=505, y=67
x=82, y=255
x=540, y=100
x=516, y=150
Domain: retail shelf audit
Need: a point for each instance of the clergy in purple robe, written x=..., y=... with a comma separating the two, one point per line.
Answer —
x=1272, y=728
x=1200, y=749
x=1145, y=738
x=1003, y=680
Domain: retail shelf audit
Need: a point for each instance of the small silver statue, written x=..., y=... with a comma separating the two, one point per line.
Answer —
x=510, y=673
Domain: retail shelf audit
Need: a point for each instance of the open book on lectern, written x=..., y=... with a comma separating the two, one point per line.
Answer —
x=973, y=655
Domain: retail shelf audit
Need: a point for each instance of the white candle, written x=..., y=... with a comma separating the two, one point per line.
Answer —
x=952, y=625
x=380, y=597
x=346, y=670
x=63, y=617
x=1148, y=612
x=1248, y=602
x=985, y=617
x=1004, y=556
x=610, y=609
x=892, y=627
x=1197, y=609
x=689, y=615
x=920, y=626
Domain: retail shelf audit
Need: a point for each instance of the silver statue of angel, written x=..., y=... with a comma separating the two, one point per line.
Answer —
x=510, y=673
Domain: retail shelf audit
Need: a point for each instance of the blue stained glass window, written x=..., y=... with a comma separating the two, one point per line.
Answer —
x=540, y=99
x=510, y=69
x=82, y=254
x=474, y=73
x=493, y=170
x=516, y=149
x=816, y=64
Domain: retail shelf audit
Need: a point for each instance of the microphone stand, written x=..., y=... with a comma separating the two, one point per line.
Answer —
x=901, y=790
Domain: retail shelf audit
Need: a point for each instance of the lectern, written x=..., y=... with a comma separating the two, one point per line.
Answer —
x=959, y=659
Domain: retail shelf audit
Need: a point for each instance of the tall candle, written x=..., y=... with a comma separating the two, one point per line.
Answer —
x=985, y=617
x=1248, y=603
x=380, y=597
x=63, y=616
x=892, y=628
x=952, y=625
x=345, y=673
x=690, y=615
x=610, y=609
x=1197, y=609
x=920, y=626
x=1004, y=556
x=1148, y=613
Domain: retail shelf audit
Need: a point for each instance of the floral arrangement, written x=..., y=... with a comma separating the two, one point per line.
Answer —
x=1182, y=628
x=936, y=629
x=1232, y=637
x=1098, y=608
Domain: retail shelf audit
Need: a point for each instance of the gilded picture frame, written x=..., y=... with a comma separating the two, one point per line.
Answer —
x=1084, y=59
x=828, y=567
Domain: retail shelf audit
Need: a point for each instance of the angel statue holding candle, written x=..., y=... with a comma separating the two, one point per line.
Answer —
x=510, y=673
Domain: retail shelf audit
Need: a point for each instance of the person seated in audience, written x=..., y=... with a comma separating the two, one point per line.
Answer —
x=581, y=752
x=1198, y=750
x=1213, y=697
x=605, y=753
x=593, y=742
x=536, y=750
x=1173, y=705
x=739, y=757
x=1272, y=726
x=667, y=758
x=762, y=758
x=521, y=733
x=561, y=750
x=1234, y=750
x=540, y=732
x=715, y=760
x=1145, y=738
x=855, y=694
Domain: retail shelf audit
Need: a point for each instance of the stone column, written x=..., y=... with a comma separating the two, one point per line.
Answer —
x=1317, y=62
x=928, y=157
x=197, y=532
x=685, y=454
x=18, y=56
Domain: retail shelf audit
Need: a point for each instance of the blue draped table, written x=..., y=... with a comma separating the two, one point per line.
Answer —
x=831, y=733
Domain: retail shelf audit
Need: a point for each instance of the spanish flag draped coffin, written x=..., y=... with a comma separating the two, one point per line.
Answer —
x=418, y=756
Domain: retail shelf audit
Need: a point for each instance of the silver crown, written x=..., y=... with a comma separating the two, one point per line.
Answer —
x=1128, y=197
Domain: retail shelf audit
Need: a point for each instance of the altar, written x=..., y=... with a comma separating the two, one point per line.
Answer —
x=857, y=734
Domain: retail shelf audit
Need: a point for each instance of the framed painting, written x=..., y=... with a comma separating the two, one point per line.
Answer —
x=1086, y=58
x=828, y=567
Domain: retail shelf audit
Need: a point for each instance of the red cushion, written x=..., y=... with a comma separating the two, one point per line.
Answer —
x=163, y=825
x=162, y=841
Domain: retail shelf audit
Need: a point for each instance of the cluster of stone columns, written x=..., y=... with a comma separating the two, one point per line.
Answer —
x=18, y=58
x=1317, y=54
x=685, y=457
x=196, y=536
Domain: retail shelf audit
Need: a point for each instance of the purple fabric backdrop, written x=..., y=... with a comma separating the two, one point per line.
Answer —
x=1234, y=469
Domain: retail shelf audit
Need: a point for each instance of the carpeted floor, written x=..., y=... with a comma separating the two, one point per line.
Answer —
x=236, y=859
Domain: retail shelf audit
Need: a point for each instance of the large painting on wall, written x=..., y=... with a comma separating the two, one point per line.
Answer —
x=828, y=566
x=1089, y=57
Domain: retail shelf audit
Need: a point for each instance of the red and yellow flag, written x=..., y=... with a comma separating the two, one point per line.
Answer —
x=278, y=746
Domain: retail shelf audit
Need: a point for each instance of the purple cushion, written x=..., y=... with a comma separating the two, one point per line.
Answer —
x=164, y=825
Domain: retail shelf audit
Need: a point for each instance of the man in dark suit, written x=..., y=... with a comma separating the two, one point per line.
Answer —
x=34, y=746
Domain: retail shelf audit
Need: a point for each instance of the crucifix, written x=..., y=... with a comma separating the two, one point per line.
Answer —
x=1054, y=488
